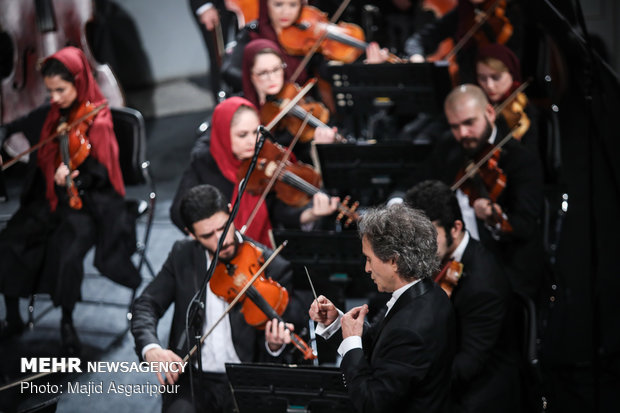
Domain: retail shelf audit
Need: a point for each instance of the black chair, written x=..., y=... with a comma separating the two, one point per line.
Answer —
x=131, y=136
x=130, y=132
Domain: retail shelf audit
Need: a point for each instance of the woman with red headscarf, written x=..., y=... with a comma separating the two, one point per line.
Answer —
x=498, y=73
x=233, y=138
x=45, y=242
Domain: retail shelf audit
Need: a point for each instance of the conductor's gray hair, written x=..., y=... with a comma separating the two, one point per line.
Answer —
x=404, y=234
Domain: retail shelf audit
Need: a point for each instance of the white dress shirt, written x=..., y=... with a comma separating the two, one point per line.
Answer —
x=353, y=342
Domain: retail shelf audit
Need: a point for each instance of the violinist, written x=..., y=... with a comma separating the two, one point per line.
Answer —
x=485, y=371
x=502, y=26
x=277, y=15
x=508, y=225
x=204, y=212
x=498, y=72
x=216, y=162
x=42, y=249
x=263, y=81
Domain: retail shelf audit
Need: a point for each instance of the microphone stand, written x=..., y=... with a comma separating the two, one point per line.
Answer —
x=197, y=302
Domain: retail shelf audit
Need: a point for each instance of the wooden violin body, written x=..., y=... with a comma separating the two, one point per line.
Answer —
x=489, y=180
x=515, y=116
x=264, y=300
x=293, y=121
x=450, y=271
x=229, y=278
x=74, y=147
x=295, y=184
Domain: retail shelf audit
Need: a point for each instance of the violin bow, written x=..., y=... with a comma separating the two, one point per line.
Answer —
x=318, y=42
x=58, y=132
x=275, y=175
x=471, y=171
x=521, y=88
x=235, y=300
x=291, y=104
x=473, y=29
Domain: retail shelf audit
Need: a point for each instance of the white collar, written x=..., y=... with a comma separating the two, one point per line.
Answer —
x=493, y=135
x=457, y=255
x=396, y=295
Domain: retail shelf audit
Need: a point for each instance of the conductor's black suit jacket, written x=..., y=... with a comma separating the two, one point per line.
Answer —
x=407, y=357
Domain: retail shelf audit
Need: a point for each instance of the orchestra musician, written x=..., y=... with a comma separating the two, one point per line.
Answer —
x=509, y=225
x=485, y=375
x=216, y=162
x=274, y=17
x=498, y=73
x=204, y=212
x=209, y=15
x=402, y=363
x=503, y=26
x=263, y=81
x=42, y=249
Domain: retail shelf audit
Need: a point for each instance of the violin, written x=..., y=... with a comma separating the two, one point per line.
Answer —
x=295, y=183
x=497, y=21
x=453, y=268
x=483, y=178
x=493, y=14
x=513, y=111
x=439, y=9
x=245, y=10
x=74, y=147
x=316, y=112
x=81, y=119
x=264, y=300
x=343, y=42
x=489, y=181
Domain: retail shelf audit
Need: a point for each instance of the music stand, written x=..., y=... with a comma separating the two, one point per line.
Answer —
x=370, y=172
x=367, y=93
x=334, y=260
x=275, y=388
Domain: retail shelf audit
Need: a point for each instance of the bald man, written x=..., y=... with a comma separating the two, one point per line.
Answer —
x=508, y=225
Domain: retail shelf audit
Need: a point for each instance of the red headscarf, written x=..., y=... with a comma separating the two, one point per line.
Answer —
x=266, y=31
x=221, y=150
x=249, y=54
x=104, y=147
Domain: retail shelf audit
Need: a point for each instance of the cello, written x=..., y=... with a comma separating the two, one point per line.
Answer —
x=33, y=30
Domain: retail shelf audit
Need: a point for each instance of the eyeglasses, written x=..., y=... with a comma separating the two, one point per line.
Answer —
x=265, y=74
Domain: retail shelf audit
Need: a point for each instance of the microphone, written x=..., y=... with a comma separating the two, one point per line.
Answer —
x=264, y=132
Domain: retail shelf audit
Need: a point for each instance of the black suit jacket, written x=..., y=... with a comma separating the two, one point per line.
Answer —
x=485, y=370
x=196, y=4
x=520, y=251
x=180, y=277
x=406, y=360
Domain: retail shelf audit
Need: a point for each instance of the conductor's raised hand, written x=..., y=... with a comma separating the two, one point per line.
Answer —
x=323, y=311
x=353, y=321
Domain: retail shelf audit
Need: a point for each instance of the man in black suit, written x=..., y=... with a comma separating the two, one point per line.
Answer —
x=209, y=14
x=205, y=212
x=402, y=363
x=485, y=372
x=509, y=225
